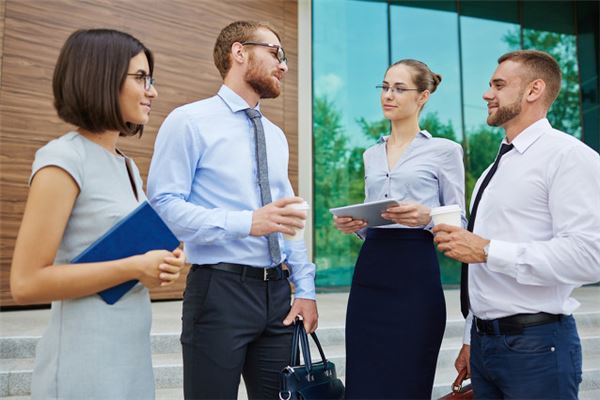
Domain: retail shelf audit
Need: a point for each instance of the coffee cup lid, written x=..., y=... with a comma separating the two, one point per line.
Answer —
x=445, y=209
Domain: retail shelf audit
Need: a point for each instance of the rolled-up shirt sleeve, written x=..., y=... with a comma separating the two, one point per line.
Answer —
x=177, y=151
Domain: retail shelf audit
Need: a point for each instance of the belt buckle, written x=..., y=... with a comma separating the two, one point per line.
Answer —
x=265, y=274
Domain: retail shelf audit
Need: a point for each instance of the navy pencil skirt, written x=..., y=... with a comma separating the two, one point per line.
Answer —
x=396, y=317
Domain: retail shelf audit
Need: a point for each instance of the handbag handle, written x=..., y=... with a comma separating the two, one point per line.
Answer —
x=300, y=343
x=457, y=385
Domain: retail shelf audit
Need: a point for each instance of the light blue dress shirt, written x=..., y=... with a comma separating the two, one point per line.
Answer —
x=203, y=182
x=430, y=172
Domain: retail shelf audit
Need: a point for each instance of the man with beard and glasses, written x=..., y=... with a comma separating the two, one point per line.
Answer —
x=219, y=179
x=533, y=237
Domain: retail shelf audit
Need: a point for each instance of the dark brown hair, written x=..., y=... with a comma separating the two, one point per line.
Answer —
x=238, y=31
x=88, y=77
x=540, y=65
x=422, y=76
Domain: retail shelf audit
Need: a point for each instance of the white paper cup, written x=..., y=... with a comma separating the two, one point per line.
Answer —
x=299, y=235
x=446, y=215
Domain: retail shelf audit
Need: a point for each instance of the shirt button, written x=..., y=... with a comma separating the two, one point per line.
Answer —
x=387, y=175
x=385, y=195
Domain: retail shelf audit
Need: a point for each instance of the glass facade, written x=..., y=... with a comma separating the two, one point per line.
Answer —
x=460, y=40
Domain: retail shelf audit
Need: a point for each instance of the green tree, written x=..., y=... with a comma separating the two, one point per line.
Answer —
x=484, y=143
x=431, y=123
x=337, y=170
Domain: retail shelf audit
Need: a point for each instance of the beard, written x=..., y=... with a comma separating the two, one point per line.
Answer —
x=506, y=113
x=261, y=81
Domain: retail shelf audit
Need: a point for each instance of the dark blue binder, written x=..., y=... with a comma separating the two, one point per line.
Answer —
x=140, y=231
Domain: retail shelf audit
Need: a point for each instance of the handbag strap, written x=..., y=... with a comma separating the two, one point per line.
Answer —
x=300, y=344
x=305, y=348
x=314, y=336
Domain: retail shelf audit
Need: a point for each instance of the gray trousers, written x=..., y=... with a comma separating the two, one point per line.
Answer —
x=232, y=326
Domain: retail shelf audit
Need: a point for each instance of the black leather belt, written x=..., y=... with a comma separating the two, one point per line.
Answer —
x=265, y=274
x=514, y=324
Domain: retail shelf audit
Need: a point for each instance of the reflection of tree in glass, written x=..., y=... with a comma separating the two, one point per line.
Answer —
x=338, y=181
x=483, y=142
x=565, y=113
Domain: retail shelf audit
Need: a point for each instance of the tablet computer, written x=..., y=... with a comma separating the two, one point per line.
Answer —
x=370, y=212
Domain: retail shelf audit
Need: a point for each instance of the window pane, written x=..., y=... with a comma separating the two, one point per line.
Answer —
x=587, y=50
x=438, y=48
x=350, y=56
x=555, y=34
x=483, y=41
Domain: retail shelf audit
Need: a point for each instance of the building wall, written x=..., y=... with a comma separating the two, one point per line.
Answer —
x=181, y=33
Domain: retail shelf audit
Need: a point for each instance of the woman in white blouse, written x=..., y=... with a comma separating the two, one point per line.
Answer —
x=396, y=310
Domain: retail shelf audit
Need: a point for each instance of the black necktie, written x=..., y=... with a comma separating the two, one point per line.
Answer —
x=263, y=176
x=464, y=272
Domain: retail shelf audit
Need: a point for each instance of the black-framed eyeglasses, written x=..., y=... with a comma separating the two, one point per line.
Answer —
x=397, y=90
x=148, y=80
x=280, y=52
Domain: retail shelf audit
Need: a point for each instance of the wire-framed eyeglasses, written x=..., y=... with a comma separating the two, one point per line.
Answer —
x=397, y=90
x=280, y=52
x=148, y=80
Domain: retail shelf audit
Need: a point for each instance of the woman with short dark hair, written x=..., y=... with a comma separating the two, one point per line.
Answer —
x=81, y=184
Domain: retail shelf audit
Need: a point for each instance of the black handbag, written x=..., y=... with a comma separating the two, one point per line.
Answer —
x=310, y=381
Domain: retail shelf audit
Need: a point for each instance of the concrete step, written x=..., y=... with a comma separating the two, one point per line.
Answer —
x=15, y=374
x=588, y=323
x=589, y=389
x=20, y=331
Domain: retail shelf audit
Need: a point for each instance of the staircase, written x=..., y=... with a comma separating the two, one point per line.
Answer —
x=20, y=331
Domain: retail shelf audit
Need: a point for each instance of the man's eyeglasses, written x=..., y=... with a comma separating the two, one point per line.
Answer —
x=280, y=52
x=397, y=90
x=148, y=80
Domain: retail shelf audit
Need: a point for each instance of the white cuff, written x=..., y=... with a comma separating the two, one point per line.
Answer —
x=467, y=330
x=502, y=257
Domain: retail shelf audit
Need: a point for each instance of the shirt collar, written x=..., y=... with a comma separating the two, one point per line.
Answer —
x=530, y=134
x=234, y=101
x=423, y=133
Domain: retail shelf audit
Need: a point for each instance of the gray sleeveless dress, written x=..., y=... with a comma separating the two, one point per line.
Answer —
x=92, y=350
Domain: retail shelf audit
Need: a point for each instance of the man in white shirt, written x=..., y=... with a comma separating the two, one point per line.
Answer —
x=535, y=219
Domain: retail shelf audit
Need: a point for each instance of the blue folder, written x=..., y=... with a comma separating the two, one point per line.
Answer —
x=140, y=231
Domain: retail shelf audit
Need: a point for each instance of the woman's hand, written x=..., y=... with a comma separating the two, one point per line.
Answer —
x=172, y=268
x=348, y=224
x=160, y=267
x=408, y=214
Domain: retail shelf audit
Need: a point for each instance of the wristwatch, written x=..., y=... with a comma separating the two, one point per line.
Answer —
x=486, y=250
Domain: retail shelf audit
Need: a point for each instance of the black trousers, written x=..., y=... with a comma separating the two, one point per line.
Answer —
x=232, y=326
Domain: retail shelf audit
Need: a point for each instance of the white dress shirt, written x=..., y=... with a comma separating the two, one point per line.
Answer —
x=541, y=211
